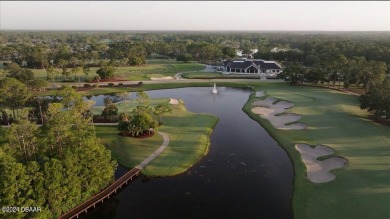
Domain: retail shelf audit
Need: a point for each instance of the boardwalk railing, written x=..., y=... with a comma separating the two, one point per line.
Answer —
x=105, y=194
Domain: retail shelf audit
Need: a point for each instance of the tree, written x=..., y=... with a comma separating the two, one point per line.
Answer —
x=50, y=71
x=21, y=137
x=37, y=86
x=62, y=63
x=124, y=96
x=110, y=110
x=77, y=71
x=74, y=61
x=15, y=185
x=377, y=99
x=161, y=109
x=70, y=98
x=21, y=74
x=106, y=72
x=229, y=52
x=294, y=73
x=86, y=71
x=352, y=71
x=2, y=74
x=184, y=57
x=143, y=103
x=13, y=94
x=316, y=75
x=335, y=67
x=372, y=73
x=138, y=124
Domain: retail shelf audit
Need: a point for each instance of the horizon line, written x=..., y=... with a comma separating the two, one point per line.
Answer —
x=124, y=30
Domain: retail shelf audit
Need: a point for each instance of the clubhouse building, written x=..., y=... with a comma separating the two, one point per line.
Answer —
x=252, y=66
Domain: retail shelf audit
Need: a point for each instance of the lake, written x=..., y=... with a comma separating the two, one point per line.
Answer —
x=246, y=174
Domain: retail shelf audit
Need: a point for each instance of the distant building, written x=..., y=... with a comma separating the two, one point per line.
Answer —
x=252, y=66
x=239, y=52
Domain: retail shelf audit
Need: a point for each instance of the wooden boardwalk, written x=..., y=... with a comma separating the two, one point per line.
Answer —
x=114, y=187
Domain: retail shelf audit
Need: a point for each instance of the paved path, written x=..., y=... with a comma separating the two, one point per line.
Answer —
x=155, y=153
x=113, y=188
x=208, y=68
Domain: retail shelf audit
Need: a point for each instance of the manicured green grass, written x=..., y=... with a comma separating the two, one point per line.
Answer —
x=162, y=61
x=192, y=66
x=129, y=106
x=133, y=73
x=362, y=189
x=189, y=142
x=127, y=151
x=192, y=75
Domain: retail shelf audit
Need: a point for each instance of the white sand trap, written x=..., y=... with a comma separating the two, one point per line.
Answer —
x=163, y=78
x=267, y=110
x=174, y=101
x=318, y=171
x=260, y=94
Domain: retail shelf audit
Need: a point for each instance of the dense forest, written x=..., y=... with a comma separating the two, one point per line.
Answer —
x=42, y=49
x=56, y=166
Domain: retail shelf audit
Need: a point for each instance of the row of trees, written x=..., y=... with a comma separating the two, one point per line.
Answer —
x=356, y=71
x=39, y=50
x=56, y=166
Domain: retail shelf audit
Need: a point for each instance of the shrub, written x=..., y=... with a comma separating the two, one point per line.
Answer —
x=110, y=84
x=74, y=87
x=106, y=72
x=87, y=85
x=120, y=84
x=140, y=83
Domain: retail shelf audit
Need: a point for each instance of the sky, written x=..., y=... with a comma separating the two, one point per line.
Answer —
x=195, y=15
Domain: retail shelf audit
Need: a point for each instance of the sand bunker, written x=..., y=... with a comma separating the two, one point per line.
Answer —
x=163, y=78
x=318, y=171
x=174, y=101
x=260, y=94
x=268, y=110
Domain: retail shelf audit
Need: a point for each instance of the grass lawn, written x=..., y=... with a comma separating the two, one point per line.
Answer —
x=130, y=105
x=189, y=142
x=193, y=75
x=133, y=73
x=362, y=189
x=191, y=66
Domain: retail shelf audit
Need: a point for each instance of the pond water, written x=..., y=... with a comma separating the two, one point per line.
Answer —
x=245, y=174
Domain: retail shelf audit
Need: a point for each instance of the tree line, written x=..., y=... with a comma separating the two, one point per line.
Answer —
x=40, y=49
x=56, y=166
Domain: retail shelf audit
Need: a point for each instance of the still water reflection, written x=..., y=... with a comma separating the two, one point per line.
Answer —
x=245, y=175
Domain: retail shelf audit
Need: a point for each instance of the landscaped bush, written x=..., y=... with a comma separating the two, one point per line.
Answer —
x=110, y=84
x=74, y=87
x=120, y=84
x=140, y=83
x=87, y=85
